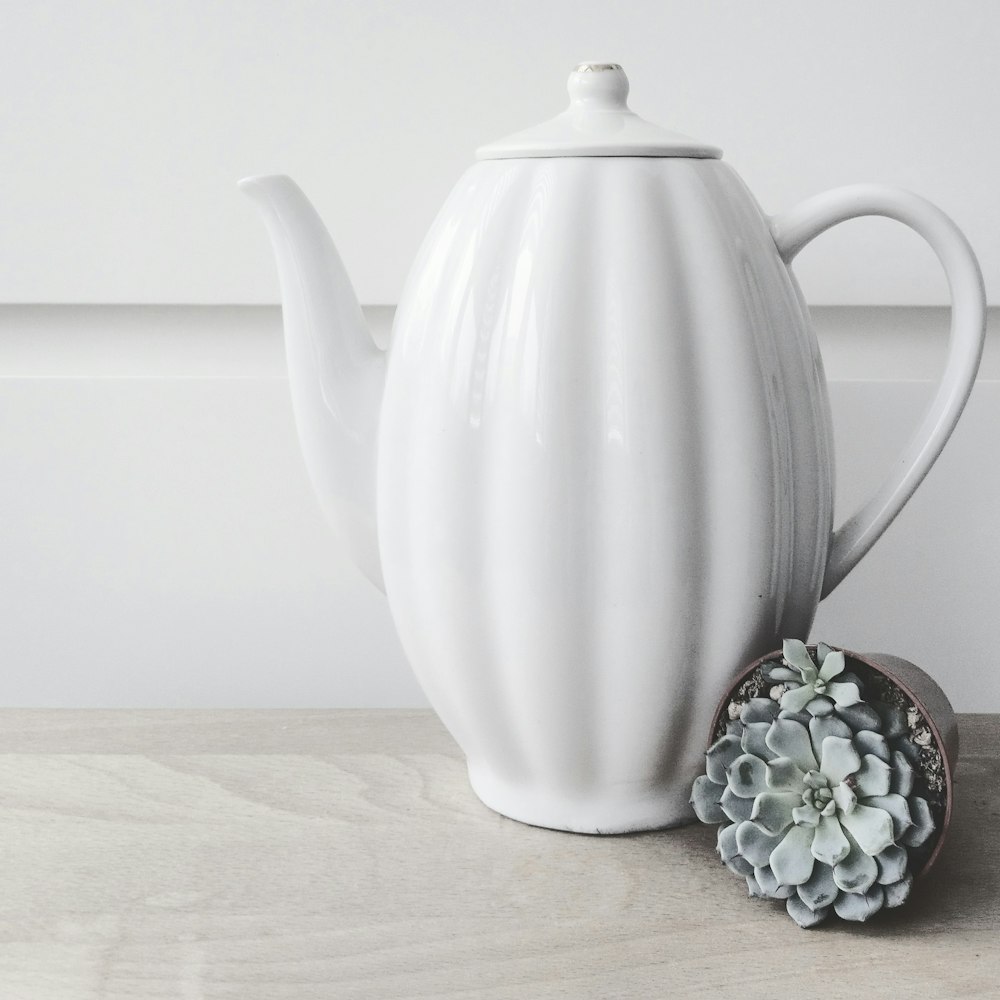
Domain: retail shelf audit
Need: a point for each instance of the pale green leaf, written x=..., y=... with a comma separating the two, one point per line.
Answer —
x=870, y=827
x=860, y=906
x=706, y=798
x=899, y=892
x=892, y=864
x=832, y=664
x=840, y=759
x=796, y=699
x=819, y=890
x=873, y=777
x=748, y=776
x=734, y=807
x=797, y=656
x=720, y=755
x=792, y=860
x=903, y=775
x=788, y=738
x=923, y=822
x=844, y=694
x=896, y=806
x=827, y=725
x=784, y=775
x=753, y=740
x=755, y=845
x=803, y=915
x=857, y=872
x=772, y=811
x=829, y=844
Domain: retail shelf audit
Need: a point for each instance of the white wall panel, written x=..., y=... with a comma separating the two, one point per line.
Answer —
x=125, y=124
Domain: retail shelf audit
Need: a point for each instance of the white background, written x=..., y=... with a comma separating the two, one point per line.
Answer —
x=158, y=542
x=126, y=122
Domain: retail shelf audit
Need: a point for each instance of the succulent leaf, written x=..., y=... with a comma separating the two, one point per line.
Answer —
x=802, y=718
x=844, y=694
x=772, y=811
x=740, y=866
x=720, y=755
x=755, y=845
x=860, y=906
x=792, y=860
x=856, y=872
x=899, y=892
x=819, y=706
x=759, y=710
x=873, y=777
x=770, y=886
x=903, y=775
x=736, y=808
x=831, y=664
x=898, y=808
x=788, y=738
x=820, y=890
x=775, y=671
x=803, y=915
x=829, y=844
x=828, y=725
x=860, y=717
x=868, y=741
x=870, y=827
x=797, y=656
x=706, y=798
x=893, y=720
x=784, y=775
x=806, y=815
x=891, y=865
x=725, y=843
x=840, y=759
x=753, y=740
x=923, y=822
x=822, y=652
x=796, y=699
x=748, y=776
x=845, y=798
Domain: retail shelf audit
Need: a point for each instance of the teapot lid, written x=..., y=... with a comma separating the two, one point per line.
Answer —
x=597, y=122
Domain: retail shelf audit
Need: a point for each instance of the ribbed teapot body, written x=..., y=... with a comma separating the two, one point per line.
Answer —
x=604, y=476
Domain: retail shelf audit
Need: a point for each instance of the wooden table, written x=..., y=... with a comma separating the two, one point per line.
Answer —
x=341, y=854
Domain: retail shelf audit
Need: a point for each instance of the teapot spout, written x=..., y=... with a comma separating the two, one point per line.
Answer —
x=336, y=371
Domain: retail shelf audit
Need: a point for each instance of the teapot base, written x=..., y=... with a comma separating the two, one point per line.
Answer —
x=592, y=811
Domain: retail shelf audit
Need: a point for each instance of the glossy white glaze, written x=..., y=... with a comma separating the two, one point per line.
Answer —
x=604, y=468
x=335, y=369
x=605, y=479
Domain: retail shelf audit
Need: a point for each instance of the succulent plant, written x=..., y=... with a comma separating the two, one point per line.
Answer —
x=816, y=793
x=810, y=686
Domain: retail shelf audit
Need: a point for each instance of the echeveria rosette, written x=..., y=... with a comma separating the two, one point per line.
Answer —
x=814, y=812
x=809, y=686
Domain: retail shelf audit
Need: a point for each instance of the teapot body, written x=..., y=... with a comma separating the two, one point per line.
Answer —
x=604, y=475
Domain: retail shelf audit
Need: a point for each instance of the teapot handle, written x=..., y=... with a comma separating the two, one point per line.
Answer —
x=792, y=231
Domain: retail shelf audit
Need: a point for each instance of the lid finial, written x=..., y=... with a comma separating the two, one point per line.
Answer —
x=596, y=85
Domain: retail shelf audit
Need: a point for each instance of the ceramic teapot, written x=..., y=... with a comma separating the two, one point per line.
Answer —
x=593, y=472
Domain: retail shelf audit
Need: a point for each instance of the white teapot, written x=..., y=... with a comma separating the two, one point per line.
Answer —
x=593, y=472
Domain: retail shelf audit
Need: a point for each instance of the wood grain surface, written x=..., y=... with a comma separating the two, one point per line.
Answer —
x=291, y=855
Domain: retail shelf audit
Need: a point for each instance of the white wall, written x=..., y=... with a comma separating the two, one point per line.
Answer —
x=158, y=542
x=127, y=122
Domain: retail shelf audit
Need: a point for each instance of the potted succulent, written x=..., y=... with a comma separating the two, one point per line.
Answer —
x=830, y=776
